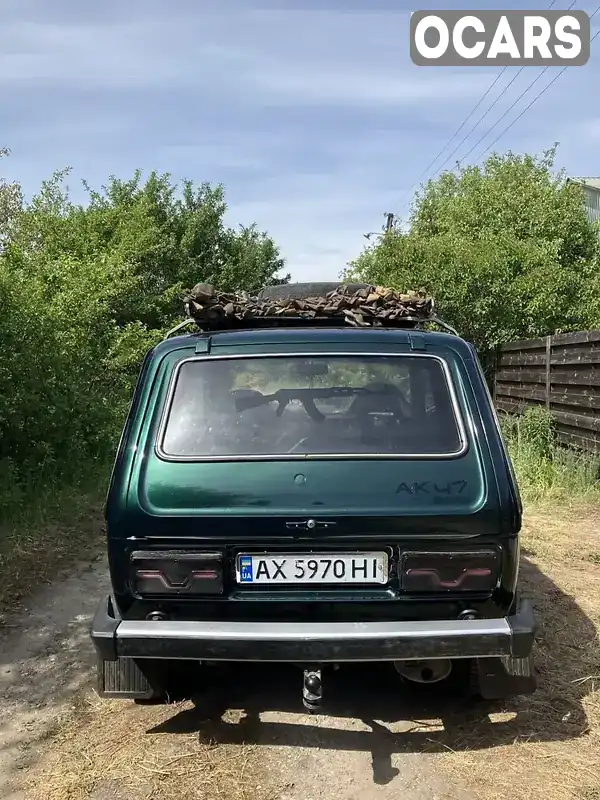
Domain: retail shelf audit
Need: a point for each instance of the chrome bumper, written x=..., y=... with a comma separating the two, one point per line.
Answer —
x=318, y=642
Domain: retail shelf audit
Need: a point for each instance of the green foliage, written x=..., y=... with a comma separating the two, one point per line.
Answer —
x=506, y=249
x=538, y=428
x=545, y=469
x=162, y=243
x=85, y=291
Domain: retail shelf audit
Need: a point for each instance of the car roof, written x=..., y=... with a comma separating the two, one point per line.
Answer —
x=313, y=335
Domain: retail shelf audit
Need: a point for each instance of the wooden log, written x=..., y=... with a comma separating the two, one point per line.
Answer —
x=360, y=308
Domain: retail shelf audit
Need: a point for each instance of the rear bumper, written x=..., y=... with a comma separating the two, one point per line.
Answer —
x=317, y=642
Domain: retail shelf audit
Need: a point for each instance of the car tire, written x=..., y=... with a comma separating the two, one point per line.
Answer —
x=171, y=680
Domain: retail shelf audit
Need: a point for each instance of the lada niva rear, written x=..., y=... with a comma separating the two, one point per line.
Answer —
x=318, y=494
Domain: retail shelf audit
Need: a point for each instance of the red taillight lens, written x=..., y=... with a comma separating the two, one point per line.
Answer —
x=176, y=573
x=473, y=571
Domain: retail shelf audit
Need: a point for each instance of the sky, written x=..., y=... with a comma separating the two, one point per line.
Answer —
x=309, y=112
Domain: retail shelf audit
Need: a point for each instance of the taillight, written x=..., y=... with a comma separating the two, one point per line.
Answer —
x=176, y=572
x=472, y=571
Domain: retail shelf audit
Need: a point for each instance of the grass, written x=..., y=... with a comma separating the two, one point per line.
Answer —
x=546, y=745
x=545, y=470
x=108, y=749
x=50, y=529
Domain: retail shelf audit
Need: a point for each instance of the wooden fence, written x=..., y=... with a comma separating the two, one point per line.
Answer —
x=559, y=372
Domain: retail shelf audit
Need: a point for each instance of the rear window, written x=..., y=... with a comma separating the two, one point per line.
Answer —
x=303, y=406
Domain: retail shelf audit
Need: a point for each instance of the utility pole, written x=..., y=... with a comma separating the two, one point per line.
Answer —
x=388, y=226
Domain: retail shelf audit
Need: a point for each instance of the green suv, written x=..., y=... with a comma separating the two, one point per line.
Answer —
x=316, y=486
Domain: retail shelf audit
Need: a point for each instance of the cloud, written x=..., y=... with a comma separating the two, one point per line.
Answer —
x=309, y=112
x=258, y=58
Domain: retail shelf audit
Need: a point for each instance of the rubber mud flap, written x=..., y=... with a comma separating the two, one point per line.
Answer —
x=123, y=679
x=498, y=678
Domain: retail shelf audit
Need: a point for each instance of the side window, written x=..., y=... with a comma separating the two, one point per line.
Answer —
x=496, y=422
x=127, y=425
x=510, y=466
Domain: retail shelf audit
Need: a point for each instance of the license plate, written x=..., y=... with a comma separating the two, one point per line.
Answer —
x=332, y=568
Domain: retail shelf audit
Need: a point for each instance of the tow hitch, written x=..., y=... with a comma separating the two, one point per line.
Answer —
x=312, y=689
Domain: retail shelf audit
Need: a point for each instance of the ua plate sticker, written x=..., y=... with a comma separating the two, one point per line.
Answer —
x=246, y=575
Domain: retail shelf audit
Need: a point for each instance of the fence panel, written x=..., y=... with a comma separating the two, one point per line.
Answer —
x=560, y=373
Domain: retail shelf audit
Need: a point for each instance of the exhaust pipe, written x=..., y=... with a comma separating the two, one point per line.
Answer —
x=430, y=671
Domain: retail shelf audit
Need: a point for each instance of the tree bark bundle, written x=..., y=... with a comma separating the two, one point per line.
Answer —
x=366, y=307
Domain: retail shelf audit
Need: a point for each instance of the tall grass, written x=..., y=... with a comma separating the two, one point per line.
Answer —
x=545, y=469
x=46, y=527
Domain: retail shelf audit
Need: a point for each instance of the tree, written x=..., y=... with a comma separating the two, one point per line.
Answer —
x=506, y=249
x=167, y=242
x=11, y=201
x=86, y=290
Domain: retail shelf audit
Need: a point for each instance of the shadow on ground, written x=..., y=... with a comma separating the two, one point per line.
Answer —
x=425, y=721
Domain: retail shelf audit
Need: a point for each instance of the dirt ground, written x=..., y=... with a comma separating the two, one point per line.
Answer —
x=246, y=736
x=548, y=745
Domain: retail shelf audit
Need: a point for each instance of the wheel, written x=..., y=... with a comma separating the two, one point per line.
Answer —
x=171, y=680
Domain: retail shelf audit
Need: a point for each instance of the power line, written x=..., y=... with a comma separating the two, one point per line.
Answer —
x=458, y=130
x=468, y=117
x=480, y=101
x=464, y=122
x=592, y=15
x=527, y=107
x=535, y=99
x=480, y=120
x=508, y=110
x=484, y=115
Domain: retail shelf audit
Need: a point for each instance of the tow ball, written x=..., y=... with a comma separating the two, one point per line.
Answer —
x=312, y=689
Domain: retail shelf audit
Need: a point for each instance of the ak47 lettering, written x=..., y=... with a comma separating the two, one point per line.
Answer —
x=427, y=487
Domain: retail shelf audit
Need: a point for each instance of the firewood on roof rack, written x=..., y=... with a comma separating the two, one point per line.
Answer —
x=357, y=305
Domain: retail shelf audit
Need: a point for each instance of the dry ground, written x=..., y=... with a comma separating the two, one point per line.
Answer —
x=245, y=736
x=548, y=745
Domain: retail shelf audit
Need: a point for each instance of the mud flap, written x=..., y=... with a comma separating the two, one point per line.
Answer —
x=123, y=679
x=497, y=678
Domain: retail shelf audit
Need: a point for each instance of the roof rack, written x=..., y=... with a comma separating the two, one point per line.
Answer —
x=314, y=304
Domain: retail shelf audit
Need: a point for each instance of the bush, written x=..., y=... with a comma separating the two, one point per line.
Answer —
x=505, y=248
x=544, y=468
x=85, y=291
